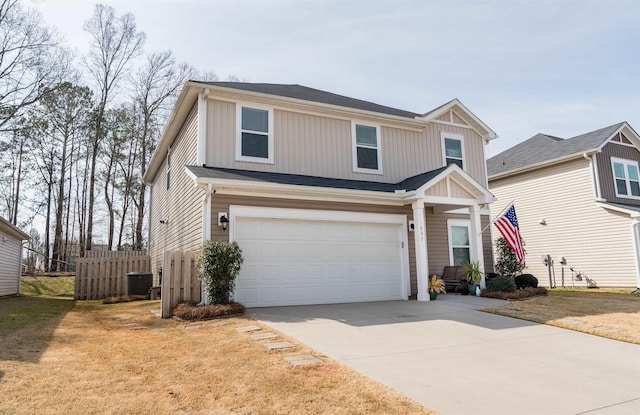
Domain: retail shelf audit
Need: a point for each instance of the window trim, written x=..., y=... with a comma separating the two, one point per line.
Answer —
x=354, y=148
x=443, y=136
x=627, y=180
x=457, y=222
x=270, y=150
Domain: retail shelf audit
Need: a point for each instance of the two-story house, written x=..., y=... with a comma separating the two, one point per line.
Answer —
x=577, y=200
x=332, y=199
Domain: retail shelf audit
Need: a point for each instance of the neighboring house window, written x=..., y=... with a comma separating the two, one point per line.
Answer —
x=366, y=149
x=255, y=140
x=459, y=243
x=625, y=174
x=168, y=168
x=453, y=149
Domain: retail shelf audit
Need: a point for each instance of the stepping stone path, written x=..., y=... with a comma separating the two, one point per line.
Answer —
x=140, y=328
x=607, y=329
x=571, y=321
x=279, y=345
x=246, y=329
x=300, y=360
x=264, y=336
x=193, y=326
x=221, y=323
x=535, y=316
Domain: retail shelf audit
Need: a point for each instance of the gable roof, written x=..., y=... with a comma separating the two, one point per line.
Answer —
x=313, y=95
x=300, y=96
x=542, y=149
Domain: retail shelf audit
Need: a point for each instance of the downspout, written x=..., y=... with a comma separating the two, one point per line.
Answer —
x=206, y=234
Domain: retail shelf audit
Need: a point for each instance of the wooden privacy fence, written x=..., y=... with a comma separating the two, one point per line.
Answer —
x=112, y=254
x=100, y=277
x=180, y=281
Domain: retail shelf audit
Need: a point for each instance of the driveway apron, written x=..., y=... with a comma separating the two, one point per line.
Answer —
x=454, y=359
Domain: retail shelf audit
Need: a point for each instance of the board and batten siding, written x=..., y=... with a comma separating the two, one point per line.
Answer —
x=605, y=170
x=180, y=206
x=10, y=262
x=437, y=231
x=321, y=146
x=594, y=241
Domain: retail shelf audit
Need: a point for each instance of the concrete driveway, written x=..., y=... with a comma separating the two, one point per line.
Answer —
x=456, y=360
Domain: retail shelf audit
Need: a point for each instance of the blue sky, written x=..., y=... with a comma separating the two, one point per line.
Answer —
x=552, y=66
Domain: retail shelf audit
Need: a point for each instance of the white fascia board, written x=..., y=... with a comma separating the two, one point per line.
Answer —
x=632, y=213
x=543, y=164
x=635, y=138
x=290, y=191
x=488, y=135
x=187, y=98
x=485, y=195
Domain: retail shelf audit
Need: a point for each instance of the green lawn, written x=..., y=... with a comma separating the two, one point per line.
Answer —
x=44, y=298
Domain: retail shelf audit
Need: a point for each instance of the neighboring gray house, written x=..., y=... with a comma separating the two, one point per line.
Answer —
x=10, y=257
x=332, y=199
x=577, y=198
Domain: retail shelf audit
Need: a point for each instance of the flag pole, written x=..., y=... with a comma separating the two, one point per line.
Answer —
x=497, y=216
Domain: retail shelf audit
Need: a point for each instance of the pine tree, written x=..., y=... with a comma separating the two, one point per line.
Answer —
x=507, y=263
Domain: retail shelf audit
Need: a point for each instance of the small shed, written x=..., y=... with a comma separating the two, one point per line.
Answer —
x=10, y=257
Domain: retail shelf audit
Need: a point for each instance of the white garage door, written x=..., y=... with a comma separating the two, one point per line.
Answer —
x=294, y=257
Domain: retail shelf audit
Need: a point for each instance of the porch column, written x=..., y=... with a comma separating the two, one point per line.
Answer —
x=422, y=261
x=475, y=234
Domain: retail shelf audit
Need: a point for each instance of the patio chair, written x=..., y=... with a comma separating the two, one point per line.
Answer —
x=452, y=275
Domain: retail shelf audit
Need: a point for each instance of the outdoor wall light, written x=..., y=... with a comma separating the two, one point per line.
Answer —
x=223, y=221
x=542, y=222
x=164, y=222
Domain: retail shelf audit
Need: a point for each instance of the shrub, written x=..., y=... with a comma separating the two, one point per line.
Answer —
x=526, y=280
x=502, y=284
x=191, y=312
x=507, y=264
x=516, y=295
x=219, y=266
x=490, y=275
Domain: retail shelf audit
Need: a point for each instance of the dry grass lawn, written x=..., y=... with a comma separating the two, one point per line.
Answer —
x=610, y=313
x=95, y=359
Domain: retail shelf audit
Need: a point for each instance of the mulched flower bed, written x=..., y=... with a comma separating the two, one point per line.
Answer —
x=191, y=312
x=516, y=295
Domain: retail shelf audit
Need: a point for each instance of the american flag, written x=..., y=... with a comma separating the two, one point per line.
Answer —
x=507, y=224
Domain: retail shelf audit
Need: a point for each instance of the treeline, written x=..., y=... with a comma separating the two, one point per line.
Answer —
x=77, y=132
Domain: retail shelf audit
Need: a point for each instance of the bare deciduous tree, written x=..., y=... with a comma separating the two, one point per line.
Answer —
x=115, y=41
x=31, y=60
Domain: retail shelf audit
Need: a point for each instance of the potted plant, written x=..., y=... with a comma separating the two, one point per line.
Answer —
x=436, y=285
x=473, y=275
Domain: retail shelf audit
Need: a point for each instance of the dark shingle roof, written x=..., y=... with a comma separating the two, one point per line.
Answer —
x=542, y=148
x=409, y=184
x=314, y=95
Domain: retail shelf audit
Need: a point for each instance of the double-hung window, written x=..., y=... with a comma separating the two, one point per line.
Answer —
x=366, y=149
x=626, y=177
x=453, y=149
x=459, y=242
x=255, y=135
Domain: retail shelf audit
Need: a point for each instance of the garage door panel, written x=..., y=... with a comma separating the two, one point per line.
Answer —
x=289, y=262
